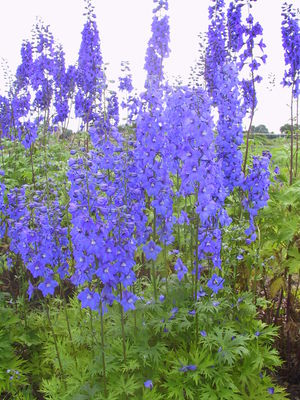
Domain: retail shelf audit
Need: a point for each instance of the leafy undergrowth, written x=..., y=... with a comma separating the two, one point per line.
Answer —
x=214, y=348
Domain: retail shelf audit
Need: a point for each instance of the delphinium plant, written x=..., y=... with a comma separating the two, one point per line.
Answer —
x=136, y=234
x=291, y=43
x=290, y=30
x=90, y=77
x=153, y=145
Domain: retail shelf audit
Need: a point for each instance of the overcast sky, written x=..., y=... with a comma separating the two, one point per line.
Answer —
x=124, y=27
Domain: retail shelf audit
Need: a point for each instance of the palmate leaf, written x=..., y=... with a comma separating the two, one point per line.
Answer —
x=287, y=229
x=189, y=393
x=207, y=393
x=227, y=343
x=130, y=366
x=156, y=353
x=176, y=381
x=205, y=362
x=26, y=394
x=152, y=395
x=293, y=266
x=247, y=373
x=13, y=364
x=223, y=378
x=276, y=285
x=228, y=392
x=125, y=386
x=232, y=346
x=29, y=338
x=150, y=355
x=53, y=389
x=87, y=392
x=177, y=389
x=259, y=390
x=270, y=357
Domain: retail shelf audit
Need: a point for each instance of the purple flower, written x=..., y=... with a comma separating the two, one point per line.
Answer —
x=174, y=311
x=186, y=368
x=271, y=390
x=151, y=250
x=148, y=384
x=128, y=300
x=175, y=251
x=201, y=293
x=48, y=286
x=30, y=290
x=89, y=299
x=203, y=333
x=215, y=283
x=180, y=268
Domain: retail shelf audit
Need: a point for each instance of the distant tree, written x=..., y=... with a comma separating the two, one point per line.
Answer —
x=287, y=128
x=261, y=129
x=253, y=129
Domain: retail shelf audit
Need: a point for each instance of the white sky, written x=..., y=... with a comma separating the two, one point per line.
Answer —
x=124, y=27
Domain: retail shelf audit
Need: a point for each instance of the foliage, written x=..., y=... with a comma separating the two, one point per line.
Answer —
x=233, y=353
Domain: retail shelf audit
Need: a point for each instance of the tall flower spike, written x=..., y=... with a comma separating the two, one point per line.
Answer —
x=158, y=46
x=90, y=77
x=290, y=29
x=216, y=50
x=235, y=26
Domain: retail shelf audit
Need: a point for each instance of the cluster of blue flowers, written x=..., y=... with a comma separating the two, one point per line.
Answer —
x=90, y=78
x=256, y=185
x=127, y=192
x=158, y=46
x=2, y=206
x=290, y=29
x=37, y=237
x=43, y=83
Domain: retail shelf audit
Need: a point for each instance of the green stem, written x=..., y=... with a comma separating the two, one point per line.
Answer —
x=102, y=349
x=55, y=343
x=154, y=281
x=192, y=259
x=122, y=325
x=153, y=266
x=166, y=269
x=292, y=138
x=68, y=323
x=23, y=272
x=32, y=165
x=196, y=257
x=178, y=212
x=91, y=325
x=134, y=313
x=256, y=266
x=196, y=275
x=184, y=226
x=297, y=137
